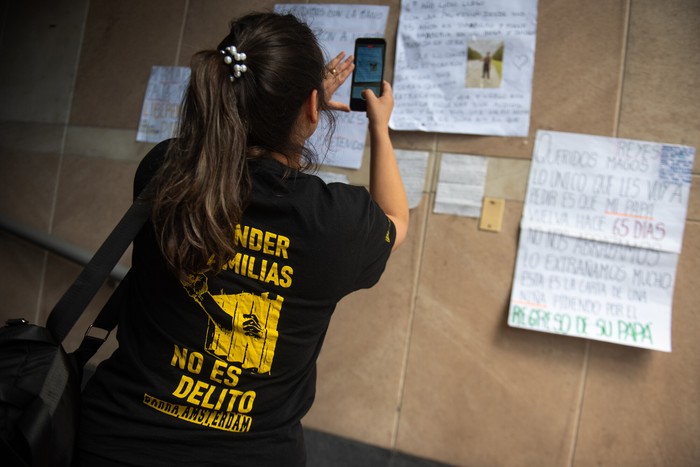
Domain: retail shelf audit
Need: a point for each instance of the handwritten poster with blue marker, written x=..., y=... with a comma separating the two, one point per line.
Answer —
x=601, y=233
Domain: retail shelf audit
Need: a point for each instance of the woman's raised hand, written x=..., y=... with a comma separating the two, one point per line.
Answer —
x=337, y=71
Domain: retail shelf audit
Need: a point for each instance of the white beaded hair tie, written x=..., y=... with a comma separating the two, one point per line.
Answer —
x=232, y=56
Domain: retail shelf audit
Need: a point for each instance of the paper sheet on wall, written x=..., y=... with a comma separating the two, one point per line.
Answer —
x=337, y=27
x=460, y=187
x=332, y=177
x=601, y=233
x=413, y=166
x=161, y=106
x=465, y=66
x=609, y=189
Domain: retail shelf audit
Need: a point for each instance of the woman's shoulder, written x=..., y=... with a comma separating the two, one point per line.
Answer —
x=346, y=193
x=149, y=165
x=348, y=207
x=155, y=157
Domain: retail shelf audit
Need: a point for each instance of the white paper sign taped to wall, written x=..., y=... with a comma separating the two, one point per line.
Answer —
x=460, y=187
x=609, y=189
x=601, y=233
x=161, y=106
x=413, y=166
x=465, y=66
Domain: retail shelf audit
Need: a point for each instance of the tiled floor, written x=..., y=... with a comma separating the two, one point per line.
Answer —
x=324, y=450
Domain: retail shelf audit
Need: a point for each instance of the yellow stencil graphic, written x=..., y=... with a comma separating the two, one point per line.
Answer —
x=226, y=421
x=250, y=337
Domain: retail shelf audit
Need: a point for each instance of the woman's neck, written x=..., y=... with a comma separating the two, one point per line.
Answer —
x=294, y=162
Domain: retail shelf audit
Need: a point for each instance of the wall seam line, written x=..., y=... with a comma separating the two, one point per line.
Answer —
x=579, y=407
x=61, y=157
x=411, y=319
x=623, y=67
x=178, y=49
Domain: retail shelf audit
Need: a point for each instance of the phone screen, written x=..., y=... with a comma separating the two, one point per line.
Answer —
x=369, y=70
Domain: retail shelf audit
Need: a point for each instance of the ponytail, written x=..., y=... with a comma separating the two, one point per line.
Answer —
x=204, y=185
x=204, y=182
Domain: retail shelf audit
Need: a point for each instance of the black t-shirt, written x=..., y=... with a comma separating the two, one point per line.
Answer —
x=220, y=372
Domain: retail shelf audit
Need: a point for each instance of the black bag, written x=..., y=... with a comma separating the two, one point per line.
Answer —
x=39, y=392
x=39, y=381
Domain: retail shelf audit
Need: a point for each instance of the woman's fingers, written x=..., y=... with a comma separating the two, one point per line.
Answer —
x=338, y=70
x=334, y=62
x=335, y=105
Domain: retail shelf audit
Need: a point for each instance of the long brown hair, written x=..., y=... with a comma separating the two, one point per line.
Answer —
x=204, y=184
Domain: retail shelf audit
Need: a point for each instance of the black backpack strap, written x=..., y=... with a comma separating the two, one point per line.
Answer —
x=69, y=308
x=104, y=323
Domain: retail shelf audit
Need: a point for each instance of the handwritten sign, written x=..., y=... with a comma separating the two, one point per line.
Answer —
x=598, y=252
x=609, y=189
x=596, y=290
x=465, y=66
x=337, y=27
x=161, y=106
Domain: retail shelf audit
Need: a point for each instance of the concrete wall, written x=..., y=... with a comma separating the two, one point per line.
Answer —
x=423, y=363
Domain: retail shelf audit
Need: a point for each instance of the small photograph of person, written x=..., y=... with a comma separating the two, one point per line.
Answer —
x=484, y=63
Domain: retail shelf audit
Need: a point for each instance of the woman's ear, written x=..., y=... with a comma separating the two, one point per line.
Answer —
x=307, y=121
x=312, y=107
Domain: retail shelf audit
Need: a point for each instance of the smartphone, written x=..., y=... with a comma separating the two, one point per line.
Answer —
x=369, y=70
